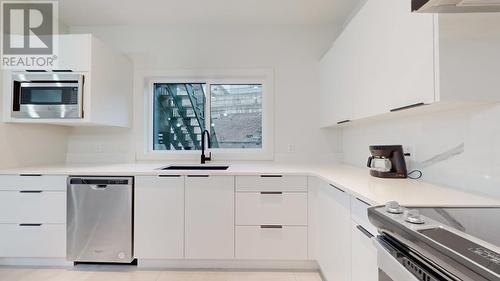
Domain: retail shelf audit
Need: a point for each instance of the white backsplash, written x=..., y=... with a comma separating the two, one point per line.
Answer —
x=460, y=148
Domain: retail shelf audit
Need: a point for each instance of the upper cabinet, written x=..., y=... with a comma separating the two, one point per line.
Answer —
x=388, y=59
x=101, y=96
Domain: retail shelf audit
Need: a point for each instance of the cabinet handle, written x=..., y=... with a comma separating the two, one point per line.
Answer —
x=341, y=190
x=271, y=226
x=270, y=192
x=271, y=176
x=30, y=224
x=30, y=191
x=407, y=107
x=362, y=201
x=169, y=176
x=364, y=231
x=30, y=175
x=343, y=122
x=198, y=176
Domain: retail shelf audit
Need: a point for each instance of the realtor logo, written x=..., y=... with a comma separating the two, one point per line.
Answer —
x=28, y=29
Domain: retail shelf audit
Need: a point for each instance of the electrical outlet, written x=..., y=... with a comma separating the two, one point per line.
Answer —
x=409, y=149
x=291, y=148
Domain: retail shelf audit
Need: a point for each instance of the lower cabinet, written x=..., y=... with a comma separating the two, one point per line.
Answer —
x=271, y=242
x=364, y=255
x=159, y=217
x=33, y=240
x=209, y=217
x=333, y=232
x=32, y=216
x=271, y=217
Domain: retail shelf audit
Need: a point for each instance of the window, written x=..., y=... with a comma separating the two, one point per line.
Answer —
x=182, y=111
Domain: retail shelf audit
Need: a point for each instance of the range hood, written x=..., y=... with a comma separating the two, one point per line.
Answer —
x=455, y=6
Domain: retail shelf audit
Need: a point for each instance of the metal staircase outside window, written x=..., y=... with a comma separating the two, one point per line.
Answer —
x=179, y=116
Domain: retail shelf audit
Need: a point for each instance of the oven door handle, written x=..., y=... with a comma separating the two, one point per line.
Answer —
x=389, y=265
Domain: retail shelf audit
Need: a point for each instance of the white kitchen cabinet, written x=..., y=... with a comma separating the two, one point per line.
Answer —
x=364, y=255
x=268, y=242
x=382, y=60
x=271, y=208
x=388, y=59
x=209, y=217
x=74, y=52
x=32, y=206
x=159, y=217
x=108, y=83
x=33, y=240
x=32, y=216
x=271, y=183
x=332, y=231
x=33, y=182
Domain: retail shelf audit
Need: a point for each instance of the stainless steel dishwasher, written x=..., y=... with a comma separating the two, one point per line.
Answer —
x=99, y=219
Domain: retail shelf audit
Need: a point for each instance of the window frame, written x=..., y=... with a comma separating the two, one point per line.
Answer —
x=266, y=152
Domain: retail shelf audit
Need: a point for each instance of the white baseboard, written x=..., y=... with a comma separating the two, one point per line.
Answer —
x=306, y=265
x=35, y=262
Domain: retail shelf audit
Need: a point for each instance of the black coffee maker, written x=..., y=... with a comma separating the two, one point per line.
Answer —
x=387, y=161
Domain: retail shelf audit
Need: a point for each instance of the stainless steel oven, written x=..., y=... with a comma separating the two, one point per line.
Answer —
x=437, y=243
x=47, y=95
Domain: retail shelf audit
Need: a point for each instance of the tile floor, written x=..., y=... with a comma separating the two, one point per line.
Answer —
x=89, y=273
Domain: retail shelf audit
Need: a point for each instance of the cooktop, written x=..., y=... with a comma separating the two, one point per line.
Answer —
x=458, y=238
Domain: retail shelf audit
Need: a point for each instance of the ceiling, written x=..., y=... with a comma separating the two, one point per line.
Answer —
x=141, y=12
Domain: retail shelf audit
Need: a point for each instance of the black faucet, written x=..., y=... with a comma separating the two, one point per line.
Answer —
x=203, y=157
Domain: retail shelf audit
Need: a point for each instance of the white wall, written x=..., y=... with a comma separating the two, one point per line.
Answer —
x=475, y=168
x=26, y=145
x=292, y=51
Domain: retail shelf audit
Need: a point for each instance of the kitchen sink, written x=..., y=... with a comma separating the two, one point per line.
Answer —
x=196, y=167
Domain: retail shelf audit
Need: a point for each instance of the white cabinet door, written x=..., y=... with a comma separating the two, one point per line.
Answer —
x=333, y=232
x=210, y=217
x=271, y=242
x=159, y=217
x=336, y=105
x=364, y=255
x=33, y=240
x=384, y=59
x=74, y=52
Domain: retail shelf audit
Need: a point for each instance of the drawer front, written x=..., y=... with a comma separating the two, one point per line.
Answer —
x=258, y=208
x=159, y=181
x=271, y=183
x=359, y=214
x=33, y=241
x=32, y=207
x=16, y=182
x=286, y=243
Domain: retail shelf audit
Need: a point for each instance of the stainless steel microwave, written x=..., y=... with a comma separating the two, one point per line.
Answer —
x=47, y=95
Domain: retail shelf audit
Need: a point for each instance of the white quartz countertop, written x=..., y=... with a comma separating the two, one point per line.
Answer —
x=353, y=180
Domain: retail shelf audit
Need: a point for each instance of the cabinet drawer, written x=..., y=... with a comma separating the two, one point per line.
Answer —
x=16, y=182
x=258, y=208
x=271, y=183
x=359, y=214
x=32, y=207
x=159, y=181
x=33, y=241
x=258, y=242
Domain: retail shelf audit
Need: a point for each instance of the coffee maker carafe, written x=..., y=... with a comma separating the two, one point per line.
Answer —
x=387, y=161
